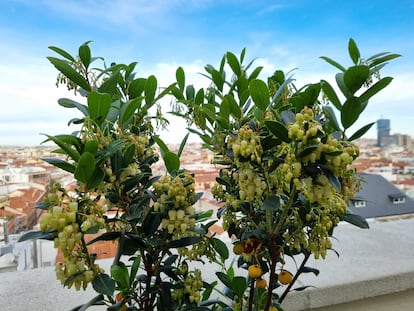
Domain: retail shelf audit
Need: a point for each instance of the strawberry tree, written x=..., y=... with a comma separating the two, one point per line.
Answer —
x=286, y=176
x=118, y=198
x=284, y=183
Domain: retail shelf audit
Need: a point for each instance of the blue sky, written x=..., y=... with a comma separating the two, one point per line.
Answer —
x=162, y=35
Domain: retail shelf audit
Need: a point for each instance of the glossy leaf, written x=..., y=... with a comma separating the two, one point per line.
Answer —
x=182, y=145
x=110, y=84
x=379, y=60
x=239, y=285
x=120, y=274
x=163, y=147
x=355, y=77
x=95, y=301
x=85, y=167
x=359, y=133
x=64, y=165
x=68, y=103
x=129, y=109
x=172, y=162
x=339, y=77
x=278, y=130
x=69, y=72
x=333, y=63
x=183, y=242
x=355, y=220
x=62, y=53
x=137, y=87
x=375, y=88
x=150, y=90
x=224, y=279
x=180, y=76
x=107, y=236
x=35, y=235
x=233, y=63
x=350, y=111
x=331, y=94
x=134, y=269
x=271, y=203
x=96, y=179
x=98, y=106
x=220, y=247
x=103, y=284
x=310, y=270
x=353, y=51
x=259, y=93
x=66, y=148
x=85, y=55
x=330, y=113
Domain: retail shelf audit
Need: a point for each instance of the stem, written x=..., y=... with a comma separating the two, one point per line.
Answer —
x=298, y=272
x=274, y=253
x=251, y=295
x=286, y=210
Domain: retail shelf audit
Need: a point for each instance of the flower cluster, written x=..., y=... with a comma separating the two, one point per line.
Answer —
x=175, y=199
x=68, y=221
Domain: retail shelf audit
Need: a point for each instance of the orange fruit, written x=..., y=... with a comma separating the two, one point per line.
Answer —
x=285, y=277
x=255, y=271
x=261, y=283
x=238, y=248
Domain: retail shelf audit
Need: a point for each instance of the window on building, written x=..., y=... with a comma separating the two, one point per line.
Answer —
x=398, y=200
x=360, y=203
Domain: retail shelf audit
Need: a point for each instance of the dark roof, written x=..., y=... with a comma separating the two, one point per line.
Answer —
x=380, y=198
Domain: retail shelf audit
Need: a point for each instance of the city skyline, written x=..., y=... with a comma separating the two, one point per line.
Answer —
x=162, y=36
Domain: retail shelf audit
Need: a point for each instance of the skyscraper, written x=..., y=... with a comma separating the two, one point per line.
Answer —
x=383, y=131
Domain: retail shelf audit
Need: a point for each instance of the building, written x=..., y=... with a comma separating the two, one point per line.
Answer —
x=380, y=198
x=383, y=131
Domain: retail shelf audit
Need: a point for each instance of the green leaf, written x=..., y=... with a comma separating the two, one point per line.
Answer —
x=233, y=106
x=85, y=55
x=150, y=89
x=224, y=279
x=355, y=77
x=278, y=130
x=233, y=63
x=68, y=150
x=180, y=76
x=339, y=77
x=96, y=179
x=97, y=300
x=35, y=235
x=103, y=284
x=379, y=60
x=333, y=63
x=331, y=94
x=85, y=167
x=66, y=166
x=271, y=203
x=183, y=242
x=329, y=112
x=98, y=106
x=239, y=285
x=134, y=269
x=189, y=92
x=182, y=145
x=136, y=87
x=68, y=103
x=129, y=110
x=106, y=236
x=259, y=93
x=353, y=51
x=375, y=88
x=119, y=273
x=91, y=146
x=220, y=247
x=361, y=131
x=172, y=162
x=110, y=84
x=310, y=270
x=163, y=147
x=70, y=73
x=62, y=53
x=350, y=111
x=355, y=220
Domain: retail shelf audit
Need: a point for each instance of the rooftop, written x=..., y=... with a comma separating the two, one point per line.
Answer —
x=372, y=262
